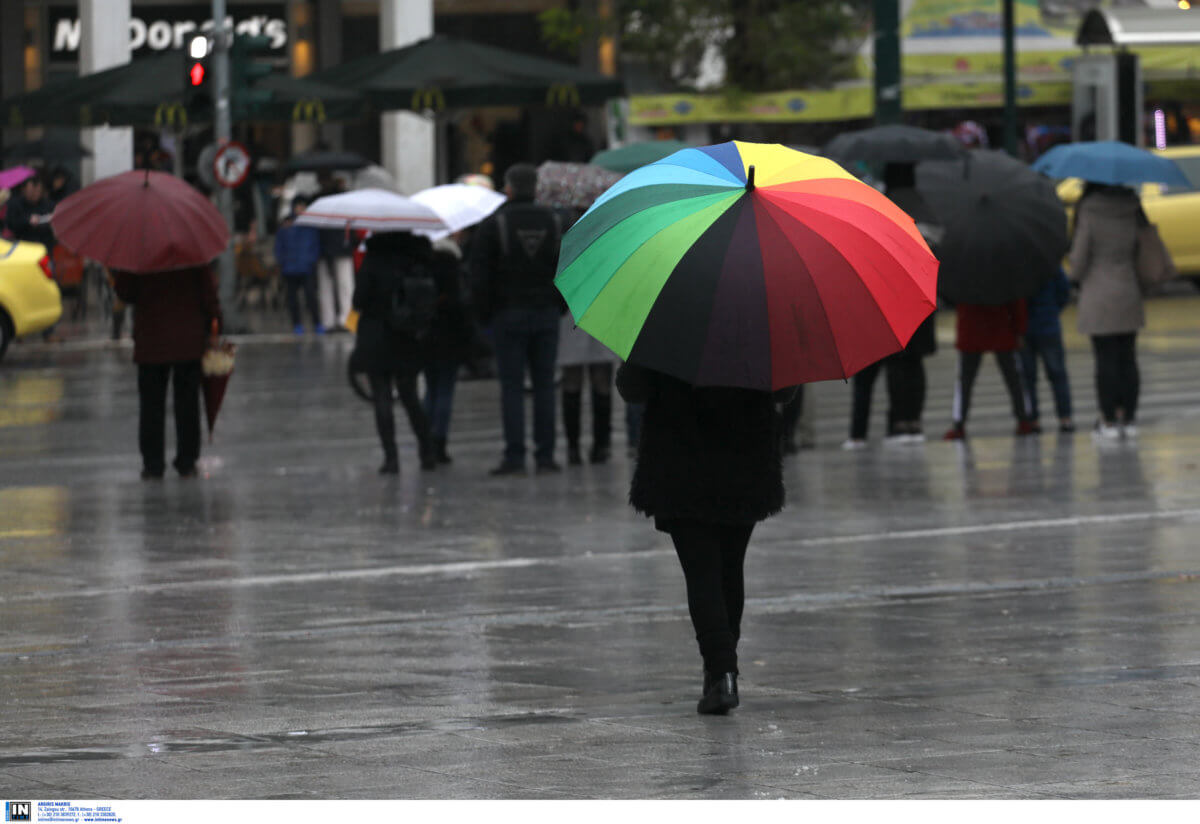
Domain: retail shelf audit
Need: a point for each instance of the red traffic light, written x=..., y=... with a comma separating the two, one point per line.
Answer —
x=196, y=74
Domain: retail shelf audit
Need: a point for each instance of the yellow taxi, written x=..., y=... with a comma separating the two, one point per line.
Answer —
x=1174, y=210
x=29, y=297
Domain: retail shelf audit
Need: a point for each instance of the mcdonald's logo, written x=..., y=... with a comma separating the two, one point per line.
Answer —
x=563, y=94
x=311, y=110
x=431, y=98
x=168, y=113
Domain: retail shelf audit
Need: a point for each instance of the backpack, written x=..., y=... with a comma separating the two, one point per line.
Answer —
x=414, y=303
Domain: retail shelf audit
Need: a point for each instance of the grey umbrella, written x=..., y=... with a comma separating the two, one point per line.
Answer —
x=1005, y=230
x=893, y=144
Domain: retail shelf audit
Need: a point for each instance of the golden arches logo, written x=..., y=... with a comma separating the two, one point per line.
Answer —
x=562, y=94
x=167, y=114
x=310, y=109
x=431, y=98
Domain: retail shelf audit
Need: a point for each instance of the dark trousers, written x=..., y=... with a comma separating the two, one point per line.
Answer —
x=1054, y=360
x=307, y=284
x=1118, y=382
x=968, y=370
x=405, y=381
x=152, y=414
x=527, y=339
x=791, y=412
x=906, y=389
x=441, y=378
x=712, y=557
x=860, y=411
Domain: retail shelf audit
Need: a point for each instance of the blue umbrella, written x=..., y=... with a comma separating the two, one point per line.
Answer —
x=1109, y=161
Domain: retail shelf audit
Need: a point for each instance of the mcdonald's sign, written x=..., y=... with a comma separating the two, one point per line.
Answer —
x=562, y=94
x=431, y=98
x=311, y=110
x=171, y=114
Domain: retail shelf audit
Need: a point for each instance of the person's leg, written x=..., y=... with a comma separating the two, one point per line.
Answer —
x=543, y=356
x=600, y=376
x=325, y=290
x=572, y=411
x=343, y=268
x=294, y=285
x=152, y=413
x=698, y=546
x=1010, y=369
x=385, y=423
x=510, y=368
x=791, y=417
x=964, y=384
x=1054, y=359
x=860, y=414
x=1104, y=349
x=309, y=283
x=186, y=380
x=406, y=386
x=633, y=424
x=1034, y=346
x=1129, y=379
x=902, y=385
x=734, y=540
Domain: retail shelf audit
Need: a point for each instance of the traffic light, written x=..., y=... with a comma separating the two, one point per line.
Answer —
x=197, y=80
x=245, y=71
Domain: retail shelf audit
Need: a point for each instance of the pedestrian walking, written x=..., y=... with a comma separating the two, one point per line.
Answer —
x=514, y=255
x=396, y=301
x=709, y=467
x=335, y=271
x=1044, y=341
x=996, y=329
x=173, y=317
x=297, y=251
x=1103, y=263
x=452, y=341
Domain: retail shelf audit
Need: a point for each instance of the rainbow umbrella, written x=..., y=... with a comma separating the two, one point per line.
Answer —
x=750, y=265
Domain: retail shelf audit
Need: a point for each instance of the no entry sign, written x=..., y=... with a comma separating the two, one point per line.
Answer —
x=231, y=165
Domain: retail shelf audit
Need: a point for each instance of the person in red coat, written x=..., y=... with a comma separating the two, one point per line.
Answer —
x=173, y=319
x=999, y=330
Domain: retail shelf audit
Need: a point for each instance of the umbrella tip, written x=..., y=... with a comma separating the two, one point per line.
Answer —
x=750, y=179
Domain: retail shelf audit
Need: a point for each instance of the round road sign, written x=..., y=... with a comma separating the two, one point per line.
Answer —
x=231, y=165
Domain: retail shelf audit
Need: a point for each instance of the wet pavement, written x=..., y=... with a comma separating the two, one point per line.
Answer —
x=1004, y=618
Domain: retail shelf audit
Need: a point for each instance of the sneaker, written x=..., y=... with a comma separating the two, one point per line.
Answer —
x=1066, y=426
x=851, y=444
x=914, y=437
x=1027, y=428
x=955, y=433
x=547, y=468
x=507, y=468
x=297, y=330
x=1129, y=430
x=1106, y=431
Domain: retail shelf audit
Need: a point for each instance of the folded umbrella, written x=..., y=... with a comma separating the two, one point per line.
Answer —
x=459, y=205
x=377, y=210
x=572, y=185
x=893, y=144
x=1111, y=162
x=747, y=265
x=1004, y=228
x=141, y=221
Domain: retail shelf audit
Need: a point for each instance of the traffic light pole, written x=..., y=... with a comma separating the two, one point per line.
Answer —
x=888, y=81
x=223, y=126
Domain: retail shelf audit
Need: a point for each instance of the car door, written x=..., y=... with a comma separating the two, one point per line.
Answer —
x=1176, y=212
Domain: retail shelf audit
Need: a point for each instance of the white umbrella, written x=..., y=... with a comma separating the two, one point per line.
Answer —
x=459, y=205
x=373, y=209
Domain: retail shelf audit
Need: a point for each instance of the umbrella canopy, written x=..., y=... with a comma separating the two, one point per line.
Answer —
x=445, y=72
x=1005, y=228
x=459, y=205
x=15, y=176
x=1111, y=162
x=47, y=149
x=572, y=185
x=750, y=265
x=141, y=221
x=893, y=144
x=377, y=210
x=325, y=160
x=635, y=155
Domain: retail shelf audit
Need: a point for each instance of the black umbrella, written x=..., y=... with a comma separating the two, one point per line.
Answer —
x=324, y=160
x=893, y=144
x=1005, y=230
x=47, y=148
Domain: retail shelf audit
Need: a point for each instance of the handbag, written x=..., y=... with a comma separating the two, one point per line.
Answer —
x=1153, y=261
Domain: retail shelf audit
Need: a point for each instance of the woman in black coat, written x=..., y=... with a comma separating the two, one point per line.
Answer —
x=387, y=354
x=709, y=467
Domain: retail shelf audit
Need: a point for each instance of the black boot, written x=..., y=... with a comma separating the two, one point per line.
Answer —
x=428, y=453
x=391, y=461
x=439, y=449
x=601, y=426
x=720, y=693
x=572, y=403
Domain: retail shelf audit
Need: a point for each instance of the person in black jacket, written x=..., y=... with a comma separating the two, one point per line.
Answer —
x=514, y=255
x=387, y=354
x=709, y=467
x=28, y=216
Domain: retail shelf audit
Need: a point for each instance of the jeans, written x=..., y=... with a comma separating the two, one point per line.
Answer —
x=1054, y=360
x=152, y=414
x=527, y=339
x=440, y=379
x=968, y=369
x=1118, y=382
x=307, y=284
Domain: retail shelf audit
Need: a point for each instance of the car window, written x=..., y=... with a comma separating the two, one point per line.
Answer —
x=1191, y=170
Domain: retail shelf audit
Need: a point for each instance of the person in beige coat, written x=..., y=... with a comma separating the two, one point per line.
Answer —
x=1103, y=263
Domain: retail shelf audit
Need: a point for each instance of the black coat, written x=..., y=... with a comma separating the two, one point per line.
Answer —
x=378, y=347
x=454, y=336
x=706, y=453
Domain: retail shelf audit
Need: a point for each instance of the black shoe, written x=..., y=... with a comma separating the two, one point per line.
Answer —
x=720, y=694
x=507, y=468
x=574, y=456
x=190, y=472
x=439, y=448
x=599, y=455
x=150, y=475
x=428, y=456
x=391, y=466
x=548, y=468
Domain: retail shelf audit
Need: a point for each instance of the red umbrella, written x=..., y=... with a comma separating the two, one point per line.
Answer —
x=217, y=367
x=141, y=221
